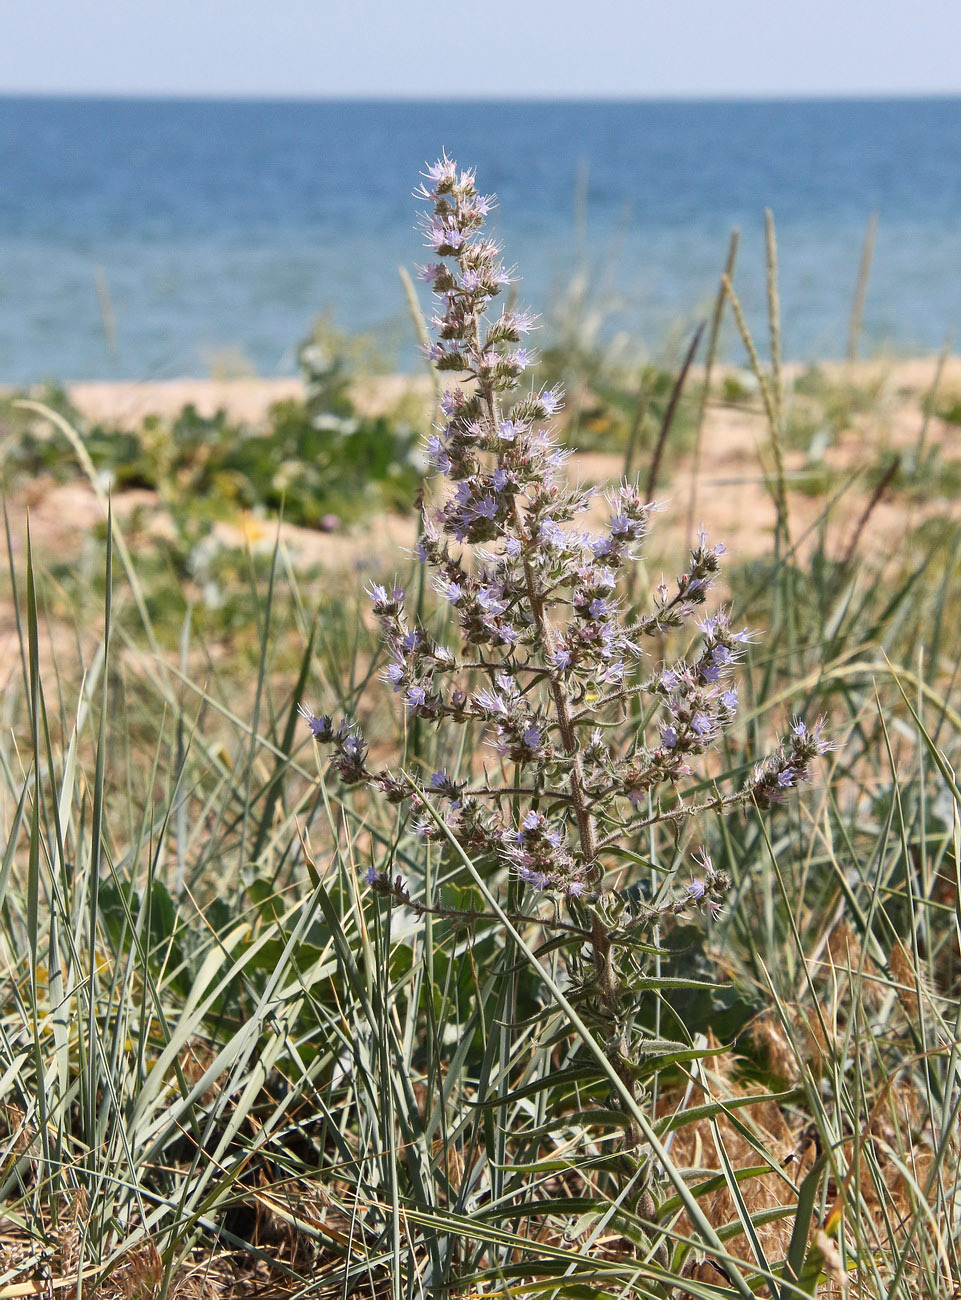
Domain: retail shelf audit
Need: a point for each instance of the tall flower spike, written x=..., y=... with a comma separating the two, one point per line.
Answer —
x=546, y=648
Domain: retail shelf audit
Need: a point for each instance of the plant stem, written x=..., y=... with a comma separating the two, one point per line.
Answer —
x=607, y=982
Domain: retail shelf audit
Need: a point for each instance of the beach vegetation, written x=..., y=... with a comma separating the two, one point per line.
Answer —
x=272, y=1026
x=317, y=459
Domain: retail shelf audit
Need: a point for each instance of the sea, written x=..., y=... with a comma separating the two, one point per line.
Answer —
x=144, y=239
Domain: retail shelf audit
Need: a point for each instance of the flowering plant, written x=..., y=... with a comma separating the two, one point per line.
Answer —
x=596, y=740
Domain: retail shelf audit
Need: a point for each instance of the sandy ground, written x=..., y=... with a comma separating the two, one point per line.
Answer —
x=126, y=404
x=726, y=491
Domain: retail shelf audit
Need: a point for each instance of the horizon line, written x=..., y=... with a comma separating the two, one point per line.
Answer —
x=705, y=97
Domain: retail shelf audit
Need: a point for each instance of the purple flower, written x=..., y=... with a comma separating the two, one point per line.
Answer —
x=373, y=875
x=552, y=399
x=500, y=478
x=394, y=673
x=532, y=737
x=489, y=599
x=442, y=170
x=697, y=889
x=729, y=700
x=437, y=451
x=444, y=237
x=700, y=724
x=551, y=532
x=321, y=728
x=668, y=679
x=509, y=429
x=486, y=509
x=785, y=778
x=416, y=697
x=575, y=888
x=490, y=702
x=668, y=737
x=721, y=655
x=561, y=657
x=599, y=608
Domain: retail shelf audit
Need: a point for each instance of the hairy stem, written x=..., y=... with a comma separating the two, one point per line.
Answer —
x=607, y=982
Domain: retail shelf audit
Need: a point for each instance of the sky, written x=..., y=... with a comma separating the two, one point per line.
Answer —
x=488, y=48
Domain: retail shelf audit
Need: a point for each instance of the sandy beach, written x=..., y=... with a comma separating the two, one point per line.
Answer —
x=726, y=485
x=125, y=403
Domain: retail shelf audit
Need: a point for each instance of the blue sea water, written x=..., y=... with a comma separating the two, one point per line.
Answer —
x=230, y=225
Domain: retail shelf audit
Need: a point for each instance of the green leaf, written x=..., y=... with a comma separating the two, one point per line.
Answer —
x=670, y=1123
x=708, y=1187
x=795, y=1264
x=563, y=1079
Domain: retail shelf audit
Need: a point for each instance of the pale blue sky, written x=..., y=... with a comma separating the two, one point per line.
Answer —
x=411, y=48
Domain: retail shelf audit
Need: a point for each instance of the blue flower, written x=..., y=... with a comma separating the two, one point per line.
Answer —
x=532, y=737
x=416, y=697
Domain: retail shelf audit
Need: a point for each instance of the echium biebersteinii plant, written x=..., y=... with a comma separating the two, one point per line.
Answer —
x=548, y=651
